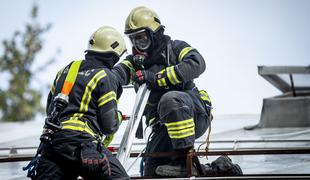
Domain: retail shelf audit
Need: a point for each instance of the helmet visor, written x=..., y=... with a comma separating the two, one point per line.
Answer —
x=140, y=39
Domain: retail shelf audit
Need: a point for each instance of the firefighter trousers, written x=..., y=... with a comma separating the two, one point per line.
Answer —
x=182, y=119
x=62, y=161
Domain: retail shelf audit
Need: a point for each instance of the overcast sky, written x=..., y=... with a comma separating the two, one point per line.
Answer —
x=234, y=36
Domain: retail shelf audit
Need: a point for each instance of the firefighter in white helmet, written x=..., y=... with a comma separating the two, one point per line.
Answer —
x=78, y=148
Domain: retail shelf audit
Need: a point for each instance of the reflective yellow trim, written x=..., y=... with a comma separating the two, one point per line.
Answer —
x=89, y=89
x=77, y=115
x=162, y=82
x=111, y=93
x=184, y=52
x=204, y=96
x=185, y=133
x=190, y=124
x=72, y=127
x=172, y=76
x=130, y=66
x=74, y=121
x=182, y=136
x=179, y=123
x=175, y=76
x=162, y=71
x=181, y=131
x=159, y=83
x=77, y=128
x=151, y=120
x=53, y=89
x=77, y=125
x=107, y=98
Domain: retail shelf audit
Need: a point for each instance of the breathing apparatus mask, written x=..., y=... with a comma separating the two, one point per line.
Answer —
x=141, y=40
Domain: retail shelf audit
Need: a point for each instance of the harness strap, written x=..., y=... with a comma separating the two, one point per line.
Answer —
x=71, y=77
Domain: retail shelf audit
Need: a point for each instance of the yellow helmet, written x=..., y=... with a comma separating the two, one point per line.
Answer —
x=142, y=18
x=107, y=40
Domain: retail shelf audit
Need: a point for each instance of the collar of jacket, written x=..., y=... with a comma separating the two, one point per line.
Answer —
x=98, y=60
x=156, y=54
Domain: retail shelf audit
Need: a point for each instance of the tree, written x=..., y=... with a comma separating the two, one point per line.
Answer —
x=19, y=101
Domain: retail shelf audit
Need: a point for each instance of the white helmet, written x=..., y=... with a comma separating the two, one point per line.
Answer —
x=107, y=40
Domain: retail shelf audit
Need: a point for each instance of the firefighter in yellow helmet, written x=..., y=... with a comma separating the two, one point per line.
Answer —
x=72, y=143
x=176, y=110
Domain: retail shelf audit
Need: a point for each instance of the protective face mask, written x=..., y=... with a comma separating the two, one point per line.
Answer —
x=141, y=40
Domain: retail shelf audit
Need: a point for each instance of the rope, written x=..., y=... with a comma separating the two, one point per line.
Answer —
x=207, y=142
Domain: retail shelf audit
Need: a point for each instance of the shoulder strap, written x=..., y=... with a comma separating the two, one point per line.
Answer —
x=52, y=121
x=71, y=77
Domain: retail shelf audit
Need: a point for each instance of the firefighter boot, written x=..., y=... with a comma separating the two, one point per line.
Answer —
x=175, y=168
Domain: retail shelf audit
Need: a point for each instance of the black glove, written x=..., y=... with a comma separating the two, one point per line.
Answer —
x=144, y=76
x=94, y=164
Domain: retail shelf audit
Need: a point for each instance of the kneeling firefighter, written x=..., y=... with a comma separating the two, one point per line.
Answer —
x=82, y=110
x=176, y=110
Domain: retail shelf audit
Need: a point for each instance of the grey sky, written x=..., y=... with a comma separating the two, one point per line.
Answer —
x=234, y=36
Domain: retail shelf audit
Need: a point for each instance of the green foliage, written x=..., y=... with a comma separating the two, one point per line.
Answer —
x=19, y=101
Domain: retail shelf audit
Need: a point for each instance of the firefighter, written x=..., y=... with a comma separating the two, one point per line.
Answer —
x=177, y=110
x=77, y=149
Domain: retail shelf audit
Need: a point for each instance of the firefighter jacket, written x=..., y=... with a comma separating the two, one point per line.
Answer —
x=181, y=64
x=93, y=100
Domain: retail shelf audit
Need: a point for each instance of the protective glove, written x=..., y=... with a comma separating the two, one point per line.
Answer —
x=93, y=162
x=144, y=76
x=168, y=79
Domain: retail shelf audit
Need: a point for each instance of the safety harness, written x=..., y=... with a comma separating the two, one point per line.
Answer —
x=77, y=123
x=66, y=88
x=74, y=123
